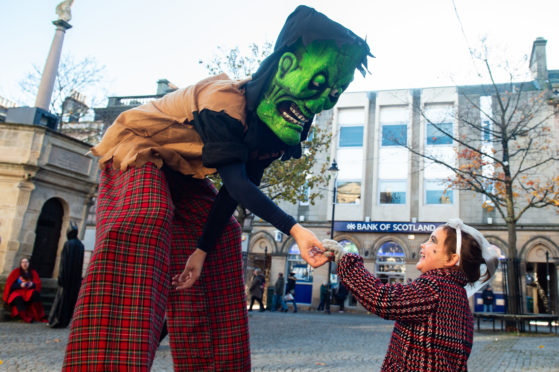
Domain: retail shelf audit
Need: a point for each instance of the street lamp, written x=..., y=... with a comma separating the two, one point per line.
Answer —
x=334, y=169
x=245, y=242
x=547, y=281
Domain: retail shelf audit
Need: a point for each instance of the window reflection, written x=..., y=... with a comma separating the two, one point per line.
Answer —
x=295, y=264
x=348, y=192
x=390, y=264
x=349, y=246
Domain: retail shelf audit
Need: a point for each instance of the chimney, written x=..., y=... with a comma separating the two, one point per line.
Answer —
x=538, y=60
x=164, y=86
x=74, y=107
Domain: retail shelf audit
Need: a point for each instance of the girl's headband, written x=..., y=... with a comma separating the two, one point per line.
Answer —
x=489, y=252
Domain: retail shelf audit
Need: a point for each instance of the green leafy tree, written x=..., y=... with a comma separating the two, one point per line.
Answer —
x=292, y=181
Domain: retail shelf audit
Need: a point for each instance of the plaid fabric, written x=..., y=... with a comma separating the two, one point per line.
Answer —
x=147, y=225
x=434, y=325
x=209, y=321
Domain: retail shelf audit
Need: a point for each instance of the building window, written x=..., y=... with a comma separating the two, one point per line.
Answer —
x=394, y=127
x=349, y=155
x=390, y=264
x=295, y=264
x=437, y=192
x=348, y=192
x=436, y=134
x=305, y=195
x=486, y=130
x=350, y=125
x=349, y=246
x=351, y=136
x=392, y=192
x=485, y=103
x=393, y=157
x=394, y=135
x=310, y=136
x=439, y=123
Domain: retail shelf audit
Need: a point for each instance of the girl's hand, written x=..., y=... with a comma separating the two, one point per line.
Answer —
x=192, y=271
x=334, y=250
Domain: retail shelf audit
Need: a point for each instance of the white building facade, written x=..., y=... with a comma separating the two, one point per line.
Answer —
x=389, y=199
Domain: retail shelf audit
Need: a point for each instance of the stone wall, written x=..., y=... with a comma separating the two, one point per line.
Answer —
x=38, y=164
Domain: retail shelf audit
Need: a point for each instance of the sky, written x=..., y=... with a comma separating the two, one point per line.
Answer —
x=416, y=43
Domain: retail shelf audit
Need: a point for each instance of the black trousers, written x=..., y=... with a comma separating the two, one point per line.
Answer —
x=259, y=299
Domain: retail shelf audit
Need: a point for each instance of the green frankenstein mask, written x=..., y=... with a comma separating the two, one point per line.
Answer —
x=308, y=80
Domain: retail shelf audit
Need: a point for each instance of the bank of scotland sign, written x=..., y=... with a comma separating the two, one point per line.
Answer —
x=387, y=227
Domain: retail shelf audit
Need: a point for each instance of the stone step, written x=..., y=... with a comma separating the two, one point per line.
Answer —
x=48, y=293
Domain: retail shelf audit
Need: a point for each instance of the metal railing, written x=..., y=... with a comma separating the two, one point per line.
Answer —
x=132, y=100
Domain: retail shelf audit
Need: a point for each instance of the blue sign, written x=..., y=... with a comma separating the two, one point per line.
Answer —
x=387, y=227
x=498, y=307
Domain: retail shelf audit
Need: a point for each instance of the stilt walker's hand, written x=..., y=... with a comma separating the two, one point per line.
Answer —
x=191, y=272
x=310, y=247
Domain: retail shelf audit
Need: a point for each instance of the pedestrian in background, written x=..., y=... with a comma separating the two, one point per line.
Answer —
x=69, y=280
x=257, y=289
x=278, y=300
x=323, y=294
x=341, y=295
x=290, y=291
x=488, y=299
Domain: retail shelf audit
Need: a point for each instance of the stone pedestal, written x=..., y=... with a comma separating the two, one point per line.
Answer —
x=38, y=165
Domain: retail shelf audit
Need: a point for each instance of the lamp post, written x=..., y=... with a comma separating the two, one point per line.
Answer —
x=334, y=169
x=247, y=232
x=547, y=281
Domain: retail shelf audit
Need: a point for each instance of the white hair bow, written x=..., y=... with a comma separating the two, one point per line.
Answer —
x=489, y=252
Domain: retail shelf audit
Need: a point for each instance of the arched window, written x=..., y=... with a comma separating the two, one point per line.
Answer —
x=303, y=272
x=391, y=260
x=349, y=246
x=296, y=264
x=541, y=279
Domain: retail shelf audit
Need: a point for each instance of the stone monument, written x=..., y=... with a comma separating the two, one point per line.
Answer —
x=47, y=180
x=40, y=113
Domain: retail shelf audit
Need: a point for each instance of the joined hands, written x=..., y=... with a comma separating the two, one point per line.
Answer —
x=313, y=251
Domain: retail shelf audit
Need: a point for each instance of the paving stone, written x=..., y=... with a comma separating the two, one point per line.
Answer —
x=306, y=341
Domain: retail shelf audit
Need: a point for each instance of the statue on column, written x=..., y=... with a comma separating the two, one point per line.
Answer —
x=63, y=10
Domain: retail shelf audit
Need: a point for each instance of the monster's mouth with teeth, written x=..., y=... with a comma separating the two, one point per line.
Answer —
x=292, y=114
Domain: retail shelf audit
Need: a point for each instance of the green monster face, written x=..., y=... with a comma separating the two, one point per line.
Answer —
x=306, y=82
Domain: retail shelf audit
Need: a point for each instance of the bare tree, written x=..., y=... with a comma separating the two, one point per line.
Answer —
x=504, y=151
x=235, y=62
x=296, y=179
x=75, y=78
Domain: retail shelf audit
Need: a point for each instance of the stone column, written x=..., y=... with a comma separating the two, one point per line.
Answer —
x=51, y=66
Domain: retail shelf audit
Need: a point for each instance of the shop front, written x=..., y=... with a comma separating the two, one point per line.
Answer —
x=303, y=272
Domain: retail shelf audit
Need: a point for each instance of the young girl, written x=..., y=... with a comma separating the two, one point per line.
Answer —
x=434, y=324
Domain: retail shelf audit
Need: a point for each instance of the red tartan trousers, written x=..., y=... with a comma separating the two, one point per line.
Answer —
x=148, y=223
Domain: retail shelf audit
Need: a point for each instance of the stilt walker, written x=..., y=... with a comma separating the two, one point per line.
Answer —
x=166, y=241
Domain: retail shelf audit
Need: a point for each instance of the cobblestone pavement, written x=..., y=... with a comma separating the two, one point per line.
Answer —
x=306, y=341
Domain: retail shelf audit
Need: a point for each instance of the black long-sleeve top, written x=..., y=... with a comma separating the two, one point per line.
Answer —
x=240, y=159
